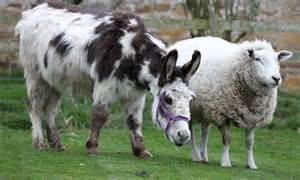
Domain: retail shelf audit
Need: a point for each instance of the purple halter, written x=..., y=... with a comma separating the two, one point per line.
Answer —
x=165, y=112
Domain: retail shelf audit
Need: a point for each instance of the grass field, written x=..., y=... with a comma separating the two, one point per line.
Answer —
x=276, y=147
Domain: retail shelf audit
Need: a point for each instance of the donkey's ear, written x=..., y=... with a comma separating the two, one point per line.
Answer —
x=284, y=55
x=189, y=69
x=170, y=64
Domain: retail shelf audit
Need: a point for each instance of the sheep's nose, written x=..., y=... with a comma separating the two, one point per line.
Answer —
x=276, y=79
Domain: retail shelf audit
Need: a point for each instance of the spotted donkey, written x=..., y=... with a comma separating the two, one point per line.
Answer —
x=110, y=56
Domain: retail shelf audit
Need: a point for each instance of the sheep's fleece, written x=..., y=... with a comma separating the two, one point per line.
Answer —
x=221, y=94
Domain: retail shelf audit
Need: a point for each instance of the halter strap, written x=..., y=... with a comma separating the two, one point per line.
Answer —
x=165, y=112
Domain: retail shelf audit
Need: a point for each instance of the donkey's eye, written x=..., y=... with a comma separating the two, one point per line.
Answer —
x=168, y=100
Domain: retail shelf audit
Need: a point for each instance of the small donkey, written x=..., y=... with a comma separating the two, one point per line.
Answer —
x=110, y=56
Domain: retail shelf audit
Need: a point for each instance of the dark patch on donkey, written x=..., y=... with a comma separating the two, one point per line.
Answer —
x=61, y=46
x=46, y=59
x=130, y=68
x=105, y=51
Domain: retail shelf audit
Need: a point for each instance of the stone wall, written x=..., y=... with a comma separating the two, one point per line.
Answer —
x=269, y=10
x=173, y=9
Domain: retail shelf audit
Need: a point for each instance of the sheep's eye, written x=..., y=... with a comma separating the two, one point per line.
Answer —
x=168, y=100
x=259, y=60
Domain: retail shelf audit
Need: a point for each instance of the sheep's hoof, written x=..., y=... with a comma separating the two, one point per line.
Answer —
x=196, y=158
x=145, y=154
x=226, y=164
x=204, y=157
x=205, y=161
x=252, y=166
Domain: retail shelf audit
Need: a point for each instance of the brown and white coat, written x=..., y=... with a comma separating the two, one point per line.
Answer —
x=110, y=56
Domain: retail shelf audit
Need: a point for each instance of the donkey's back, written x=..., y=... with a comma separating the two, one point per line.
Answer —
x=52, y=46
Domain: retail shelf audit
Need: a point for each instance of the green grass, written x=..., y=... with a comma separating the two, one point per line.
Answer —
x=277, y=147
x=276, y=153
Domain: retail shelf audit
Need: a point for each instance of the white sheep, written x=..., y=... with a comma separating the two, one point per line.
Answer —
x=235, y=83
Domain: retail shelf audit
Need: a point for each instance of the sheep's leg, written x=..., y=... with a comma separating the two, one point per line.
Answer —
x=99, y=117
x=134, y=113
x=204, y=140
x=249, y=148
x=195, y=152
x=225, y=131
x=35, y=104
x=50, y=112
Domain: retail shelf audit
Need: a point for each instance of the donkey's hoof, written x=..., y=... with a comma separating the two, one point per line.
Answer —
x=145, y=155
x=58, y=147
x=40, y=145
x=91, y=151
x=251, y=166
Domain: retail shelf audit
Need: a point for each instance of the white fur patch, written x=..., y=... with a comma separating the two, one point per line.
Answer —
x=156, y=41
x=132, y=22
x=126, y=42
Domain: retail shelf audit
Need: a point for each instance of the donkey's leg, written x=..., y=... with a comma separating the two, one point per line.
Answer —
x=134, y=113
x=35, y=105
x=249, y=148
x=50, y=113
x=195, y=152
x=99, y=117
x=225, y=131
x=204, y=139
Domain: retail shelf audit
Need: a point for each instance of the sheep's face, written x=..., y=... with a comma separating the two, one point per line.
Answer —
x=265, y=66
x=171, y=106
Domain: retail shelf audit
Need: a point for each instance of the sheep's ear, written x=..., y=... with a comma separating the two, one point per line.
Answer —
x=170, y=64
x=284, y=55
x=251, y=53
x=189, y=69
